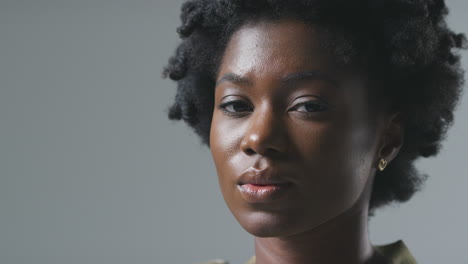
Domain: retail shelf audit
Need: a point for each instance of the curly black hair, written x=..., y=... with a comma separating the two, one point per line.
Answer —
x=406, y=44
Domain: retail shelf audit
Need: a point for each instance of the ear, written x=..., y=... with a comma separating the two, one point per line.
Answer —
x=392, y=138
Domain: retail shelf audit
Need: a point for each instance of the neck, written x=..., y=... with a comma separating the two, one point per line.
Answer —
x=343, y=239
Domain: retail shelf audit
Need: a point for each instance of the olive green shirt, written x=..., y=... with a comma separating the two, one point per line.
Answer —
x=396, y=252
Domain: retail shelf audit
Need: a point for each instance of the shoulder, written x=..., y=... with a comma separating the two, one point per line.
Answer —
x=397, y=252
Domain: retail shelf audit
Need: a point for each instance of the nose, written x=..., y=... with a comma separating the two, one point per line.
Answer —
x=265, y=135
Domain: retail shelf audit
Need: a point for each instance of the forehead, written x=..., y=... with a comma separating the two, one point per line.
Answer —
x=263, y=54
x=274, y=46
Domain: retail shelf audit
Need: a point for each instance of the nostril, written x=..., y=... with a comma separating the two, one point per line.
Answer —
x=249, y=151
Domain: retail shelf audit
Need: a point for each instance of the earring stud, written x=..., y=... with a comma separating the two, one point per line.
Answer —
x=382, y=164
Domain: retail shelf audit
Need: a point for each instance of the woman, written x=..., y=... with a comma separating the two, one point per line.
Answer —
x=314, y=112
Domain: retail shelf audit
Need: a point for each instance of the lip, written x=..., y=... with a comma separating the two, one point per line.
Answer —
x=265, y=176
x=253, y=193
x=260, y=186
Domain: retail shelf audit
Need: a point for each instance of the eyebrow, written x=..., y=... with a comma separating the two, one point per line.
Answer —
x=233, y=78
x=288, y=80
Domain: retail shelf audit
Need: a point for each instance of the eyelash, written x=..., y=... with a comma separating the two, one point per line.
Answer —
x=223, y=107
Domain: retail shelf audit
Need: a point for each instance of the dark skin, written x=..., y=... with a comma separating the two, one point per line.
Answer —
x=281, y=104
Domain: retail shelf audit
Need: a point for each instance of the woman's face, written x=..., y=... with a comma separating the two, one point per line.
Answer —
x=291, y=137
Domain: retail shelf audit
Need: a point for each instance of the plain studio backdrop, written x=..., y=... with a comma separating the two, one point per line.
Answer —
x=92, y=171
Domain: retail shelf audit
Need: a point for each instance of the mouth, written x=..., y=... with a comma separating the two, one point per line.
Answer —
x=263, y=193
x=262, y=186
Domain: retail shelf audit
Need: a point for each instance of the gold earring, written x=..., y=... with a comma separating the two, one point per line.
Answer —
x=382, y=164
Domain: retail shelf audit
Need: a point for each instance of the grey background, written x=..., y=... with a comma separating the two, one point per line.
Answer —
x=91, y=170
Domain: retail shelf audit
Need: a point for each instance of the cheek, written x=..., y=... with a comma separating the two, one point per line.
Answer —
x=318, y=145
x=222, y=139
x=223, y=145
x=344, y=141
x=225, y=137
x=336, y=164
x=323, y=161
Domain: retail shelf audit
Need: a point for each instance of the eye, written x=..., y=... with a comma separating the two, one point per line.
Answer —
x=236, y=107
x=310, y=106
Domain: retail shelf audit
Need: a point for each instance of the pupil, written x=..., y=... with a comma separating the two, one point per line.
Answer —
x=239, y=107
x=312, y=107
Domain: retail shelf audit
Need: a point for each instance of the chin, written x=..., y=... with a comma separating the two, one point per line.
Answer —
x=268, y=224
